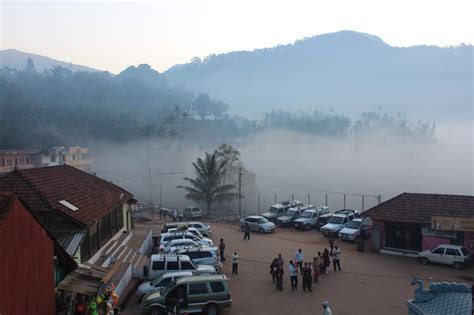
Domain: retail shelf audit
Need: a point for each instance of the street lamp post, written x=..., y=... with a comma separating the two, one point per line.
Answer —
x=240, y=192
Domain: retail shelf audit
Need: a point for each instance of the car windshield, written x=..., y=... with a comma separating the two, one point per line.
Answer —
x=307, y=214
x=354, y=224
x=336, y=220
x=290, y=212
x=262, y=220
x=168, y=288
x=464, y=251
x=156, y=281
x=274, y=209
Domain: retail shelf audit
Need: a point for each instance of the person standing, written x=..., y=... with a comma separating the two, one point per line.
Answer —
x=222, y=249
x=235, y=263
x=280, y=261
x=307, y=278
x=279, y=278
x=273, y=267
x=326, y=260
x=175, y=215
x=321, y=263
x=326, y=309
x=246, y=231
x=316, y=264
x=336, y=256
x=293, y=276
x=299, y=259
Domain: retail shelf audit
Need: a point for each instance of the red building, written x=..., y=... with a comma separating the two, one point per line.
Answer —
x=27, y=258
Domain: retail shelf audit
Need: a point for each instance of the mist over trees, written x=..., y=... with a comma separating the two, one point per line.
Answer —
x=58, y=106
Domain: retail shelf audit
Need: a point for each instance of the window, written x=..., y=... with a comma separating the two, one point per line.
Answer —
x=172, y=265
x=217, y=286
x=53, y=158
x=452, y=252
x=186, y=265
x=16, y=161
x=158, y=265
x=439, y=250
x=464, y=251
x=197, y=288
x=163, y=282
x=167, y=239
x=315, y=215
x=2, y=162
x=197, y=255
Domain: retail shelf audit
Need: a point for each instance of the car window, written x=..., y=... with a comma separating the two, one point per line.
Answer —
x=315, y=215
x=158, y=265
x=164, y=282
x=452, y=252
x=167, y=239
x=186, y=265
x=172, y=265
x=464, y=251
x=217, y=286
x=196, y=209
x=439, y=250
x=202, y=254
x=197, y=288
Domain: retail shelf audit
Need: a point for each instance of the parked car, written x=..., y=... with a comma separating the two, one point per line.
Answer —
x=192, y=212
x=258, y=223
x=161, y=282
x=323, y=220
x=203, y=228
x=291, y=215
x=160, y=264
x=205, y=294
x=454, y=255
x=174, y=245
x=186, y=229
x=167, y=237
x=309, y=218
x=279, y=209
x=336, y=223
x=353, y=229
x=202, y=256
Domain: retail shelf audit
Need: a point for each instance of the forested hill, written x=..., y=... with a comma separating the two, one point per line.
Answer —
x=346, y=71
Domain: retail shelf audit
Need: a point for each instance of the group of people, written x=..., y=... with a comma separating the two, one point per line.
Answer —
x=310, y=271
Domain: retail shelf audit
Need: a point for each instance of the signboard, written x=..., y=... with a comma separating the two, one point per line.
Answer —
x=437, y=233
x=452, y=224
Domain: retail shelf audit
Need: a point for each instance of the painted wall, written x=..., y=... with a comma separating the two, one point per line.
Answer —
x=26, y=265
x=429, y=242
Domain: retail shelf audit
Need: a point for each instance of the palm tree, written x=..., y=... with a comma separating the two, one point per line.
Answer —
x=207, y=186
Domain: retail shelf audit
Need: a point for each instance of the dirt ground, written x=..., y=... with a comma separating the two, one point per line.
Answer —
x=370, y=283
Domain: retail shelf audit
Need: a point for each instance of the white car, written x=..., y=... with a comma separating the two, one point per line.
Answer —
x=175, y=245
x=258, y=223
x=161, y=281
x=167, y=237
x=353, y=229
x=204, y=228
x=454, y=255
x=189, y=229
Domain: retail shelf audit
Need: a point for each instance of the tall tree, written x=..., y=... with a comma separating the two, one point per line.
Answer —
x=207, y=187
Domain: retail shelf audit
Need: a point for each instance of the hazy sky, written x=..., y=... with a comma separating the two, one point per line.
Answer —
x=112, y=35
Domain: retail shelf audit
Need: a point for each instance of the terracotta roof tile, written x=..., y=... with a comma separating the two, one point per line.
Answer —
x=419, y=208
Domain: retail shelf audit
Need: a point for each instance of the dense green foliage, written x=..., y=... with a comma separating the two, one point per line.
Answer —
x=63, y=107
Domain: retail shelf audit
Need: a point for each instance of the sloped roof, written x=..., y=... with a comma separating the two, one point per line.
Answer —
x=42, y=189
x=6, y=199
x=419, y=208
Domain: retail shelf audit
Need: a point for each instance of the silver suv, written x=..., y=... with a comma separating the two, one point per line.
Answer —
x=202, y=256
x=258, y=223
x=337, y=222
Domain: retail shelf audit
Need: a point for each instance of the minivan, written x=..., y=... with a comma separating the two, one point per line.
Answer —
x=160, y=264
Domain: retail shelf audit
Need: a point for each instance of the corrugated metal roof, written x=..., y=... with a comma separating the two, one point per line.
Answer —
x=70, y=241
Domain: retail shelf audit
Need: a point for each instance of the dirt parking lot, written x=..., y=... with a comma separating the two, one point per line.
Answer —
x=370, y=283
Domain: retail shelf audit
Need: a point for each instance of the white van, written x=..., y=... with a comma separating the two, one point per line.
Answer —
x=160, y=264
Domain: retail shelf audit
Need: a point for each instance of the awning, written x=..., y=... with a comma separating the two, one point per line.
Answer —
x=70, y=242
x=85, y=279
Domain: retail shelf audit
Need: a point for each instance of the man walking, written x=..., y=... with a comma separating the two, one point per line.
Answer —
x=307, y=278
x=222, y=249
x=280, y=261
x=336, y=256
x=235, y=263
x=327, y=310
x=246, y=231
x=299, y=259
x=293, y=276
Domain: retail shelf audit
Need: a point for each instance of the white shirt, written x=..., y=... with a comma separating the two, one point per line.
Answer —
x=336, y=254
x=299, y=256
x=235, y=258
x=327, y=311
x=293, y=270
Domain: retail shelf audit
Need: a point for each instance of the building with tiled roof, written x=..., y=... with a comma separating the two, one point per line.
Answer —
x=412, y=222
x=81, y=210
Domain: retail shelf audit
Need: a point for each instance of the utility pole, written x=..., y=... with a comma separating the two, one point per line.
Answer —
x=363, y=202
x=326, y=200
x=309, y=199
x=151, y=196
x=344, y=201
x=161, y=195
x=292, y=196
x=275, y=198
x=259, y=204
x=240, y=192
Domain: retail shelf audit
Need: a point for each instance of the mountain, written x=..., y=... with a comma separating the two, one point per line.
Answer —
x=16, y=59
x=347, y=72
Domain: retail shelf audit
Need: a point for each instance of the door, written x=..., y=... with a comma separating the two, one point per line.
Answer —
x=198, y=294
x=451, y=255
x=376, y=238
x=437, y=255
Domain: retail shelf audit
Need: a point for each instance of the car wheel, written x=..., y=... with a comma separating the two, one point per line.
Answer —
x=424, y=261
x=261, y=231
x=307, y=227
x=156, y=310
x=457, y=265
x=211, y=309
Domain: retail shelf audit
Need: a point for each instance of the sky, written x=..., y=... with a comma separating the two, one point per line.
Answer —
x=112, y=35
